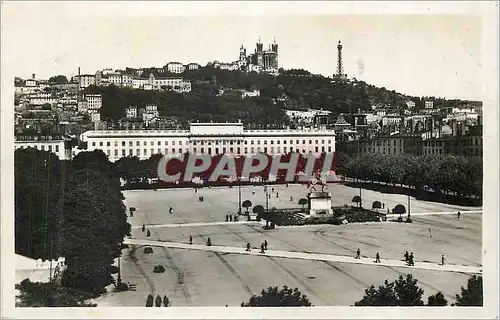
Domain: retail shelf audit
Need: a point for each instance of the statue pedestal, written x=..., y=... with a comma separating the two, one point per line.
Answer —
x=319, y=204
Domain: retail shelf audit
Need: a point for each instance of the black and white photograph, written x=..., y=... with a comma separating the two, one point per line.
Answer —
x=328, y=158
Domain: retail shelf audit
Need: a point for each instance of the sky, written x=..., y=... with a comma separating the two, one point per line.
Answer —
x=418, y=54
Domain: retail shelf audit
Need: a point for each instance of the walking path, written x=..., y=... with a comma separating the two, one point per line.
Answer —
x=219, y=223
x=308, y=256
x=193, y=224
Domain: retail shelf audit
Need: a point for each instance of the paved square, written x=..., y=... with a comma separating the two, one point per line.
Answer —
x=225, y=275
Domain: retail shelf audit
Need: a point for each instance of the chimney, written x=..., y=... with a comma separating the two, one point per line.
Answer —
x=33, y=76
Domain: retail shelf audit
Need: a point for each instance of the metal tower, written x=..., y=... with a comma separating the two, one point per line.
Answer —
x=340, y=66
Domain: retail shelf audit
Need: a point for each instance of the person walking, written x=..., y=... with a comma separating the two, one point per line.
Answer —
x=442, y=259
x=209, y=242
x=143, y=228
x=458, y=214
x=377, y=258
x=277, y=195
x=262, y=248
x=411, y=262
x=291, y=198
x=248, y=246
x=272, y=190
x=430, y=233
x=358, y=254
x=227, y=217
x=171, y=210
x=407, y=256
x=265, y=244
x=148, y=234
x=190, y=239
x=231, y=218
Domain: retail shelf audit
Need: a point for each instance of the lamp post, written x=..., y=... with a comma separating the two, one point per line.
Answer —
x=239, y=196
x=119, y=280
x=409, y=210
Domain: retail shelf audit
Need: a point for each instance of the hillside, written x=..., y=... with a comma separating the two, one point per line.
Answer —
x=292, y=89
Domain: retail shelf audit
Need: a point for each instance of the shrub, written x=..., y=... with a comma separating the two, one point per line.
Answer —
x=150, y=301
x=122, y=287
x=159, y=269
x=148, y=250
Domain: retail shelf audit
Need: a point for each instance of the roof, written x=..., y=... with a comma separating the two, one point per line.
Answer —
x=341, y=121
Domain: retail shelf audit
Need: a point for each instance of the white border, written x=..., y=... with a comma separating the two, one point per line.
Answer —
x=489, y=13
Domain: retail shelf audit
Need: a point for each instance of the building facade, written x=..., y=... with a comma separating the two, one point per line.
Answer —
x=175, y=67
x=209, y=138
x=55, y=144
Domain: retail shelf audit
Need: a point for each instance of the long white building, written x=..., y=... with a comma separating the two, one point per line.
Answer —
x=208, y=138
x=55, y=144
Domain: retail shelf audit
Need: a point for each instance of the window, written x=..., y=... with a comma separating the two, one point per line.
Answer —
x=123, y=143
x=202, y=150
x=42, y=147
x=145, y=152
x=100, y=144
x=123, y=152
x=108, y=153
x=231, y=150
x=93, y=143
x=272, y=141
x=323, y=141
x=108, y=144
x=316, y=149
x=152, y=143
x=159, y=143
x=130, y=152
x=284, y=141
x=303, y=141
x=223, y=150
x=252, y=150
x=138, y=152
x=246, y=150
x=116, y=143
x=152, y=151
x=116, y=153
x=57, y=148
x=238, y=150
x=180, y=143
x=316, y=142
x=291, y=141
x=173, y=150
x=137, y=143
x=216, y=150
x=265, y=149
x=209, y=150
x=130, y=143
x=329, y=141
x=166, y=151
x=50, y=148
x=173, y=143
x=166, y=143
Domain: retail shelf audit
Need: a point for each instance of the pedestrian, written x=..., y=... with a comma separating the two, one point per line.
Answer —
x=190, y=239
x=253, y=192
x=148, y=234
x=209, y=242
x=407, y=256
x=430, y=233
x=171, y=210
x=272, y=190
x=195, y=190
x=358, y=254
x=383, y=205
x=231, y=218
x=143, y=228
x=291, y=198
x=411, y=262
x=377, y=258
x=442, y=259
x=131, y=213
x=235, y=219
x=248, y=246
x=265, y=244
x=458, y=214
x=277, y=195
x=262, y=248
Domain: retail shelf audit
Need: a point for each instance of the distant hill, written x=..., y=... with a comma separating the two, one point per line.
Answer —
x=292, y=89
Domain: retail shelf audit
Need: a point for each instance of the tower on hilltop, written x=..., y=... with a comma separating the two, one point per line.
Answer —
x=340, y=66
x=259, y=46
x=274, y=46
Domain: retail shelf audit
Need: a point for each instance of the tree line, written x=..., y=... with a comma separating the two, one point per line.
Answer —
x=403, y=292
x=462, y=176
x=72, y=209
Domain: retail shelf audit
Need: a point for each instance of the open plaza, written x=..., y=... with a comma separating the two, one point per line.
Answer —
x=317, y=259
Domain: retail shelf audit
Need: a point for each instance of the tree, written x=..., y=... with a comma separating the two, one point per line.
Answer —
x=150, y=301
x=437, y=300
x=273, y=297
x=357, y=200
x=402, y=292
x=376, y=205
x=59, y=79
x=472, y=295
x=302, y=202
x=399, y=209
x=50, y=294
x=246, y=204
